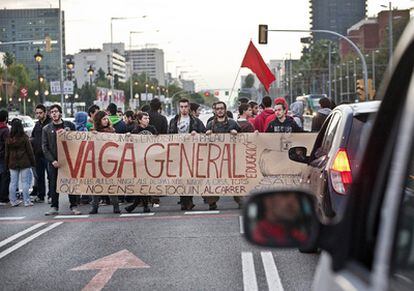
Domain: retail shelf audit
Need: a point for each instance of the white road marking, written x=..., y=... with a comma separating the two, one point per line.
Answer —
x=28, y=239
x=12, y=218
x=70, y=216
x=241, y=224
x=137, y=214
x=249, y=273
x=19, y=234
x=201, y=212
x=272, y=275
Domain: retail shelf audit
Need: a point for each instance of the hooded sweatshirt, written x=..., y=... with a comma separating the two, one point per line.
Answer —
x=297, y=112
x=259, y=121
x=117, y=123
x=81, y=118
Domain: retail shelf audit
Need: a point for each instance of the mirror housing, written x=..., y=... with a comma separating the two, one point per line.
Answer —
x=298, y=154
x=281, y=218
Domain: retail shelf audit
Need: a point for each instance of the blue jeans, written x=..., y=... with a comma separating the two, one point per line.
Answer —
x=26, y=175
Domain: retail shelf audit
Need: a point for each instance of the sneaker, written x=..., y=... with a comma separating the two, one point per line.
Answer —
x=49, y=200
x=129, y=209
x=39, y=200
x=156, y=205
x=53, y=211
x=28, y=204
x=94, y=210
x=75, y=211
x=212, y=206
x=15, y=204
x=4, y=203
x=147, y=209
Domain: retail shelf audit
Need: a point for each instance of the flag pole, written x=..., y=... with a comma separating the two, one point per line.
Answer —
x=234, y=84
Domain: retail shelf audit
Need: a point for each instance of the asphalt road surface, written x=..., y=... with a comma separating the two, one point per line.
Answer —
x=167, y=249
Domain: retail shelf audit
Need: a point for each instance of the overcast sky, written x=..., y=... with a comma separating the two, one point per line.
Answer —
x=209, y=37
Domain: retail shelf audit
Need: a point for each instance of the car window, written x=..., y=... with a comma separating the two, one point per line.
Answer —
x=403, y=255
x=329, y=136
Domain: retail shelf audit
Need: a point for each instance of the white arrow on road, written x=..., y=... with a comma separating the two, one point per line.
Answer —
x=107, y=266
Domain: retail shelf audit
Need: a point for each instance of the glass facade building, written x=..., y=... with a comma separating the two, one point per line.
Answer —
x=335, y=15
x=18, y=25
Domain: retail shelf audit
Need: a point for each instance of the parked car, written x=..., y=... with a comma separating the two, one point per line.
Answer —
x=27, y=121
x=334, y=158
x=372, y=246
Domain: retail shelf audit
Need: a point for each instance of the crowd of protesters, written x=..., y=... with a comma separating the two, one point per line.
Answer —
x=34, y=159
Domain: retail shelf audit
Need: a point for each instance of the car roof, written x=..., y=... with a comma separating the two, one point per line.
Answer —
x=361, y=107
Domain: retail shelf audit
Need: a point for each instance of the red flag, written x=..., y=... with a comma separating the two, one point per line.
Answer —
x=254, y=61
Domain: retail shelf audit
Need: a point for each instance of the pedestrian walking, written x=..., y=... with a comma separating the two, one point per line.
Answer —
x=282, y=122
x=49, y=147
x=245, y=112
x=143, y=127
x=259, y=122
x=322, y=114
x=92, y=110
x=19, y=159
x=116, y=121
x=183, y=123
x=4, y=173
x=102, y=124
x=41, y=162
x=222, y=124
x=156, y=119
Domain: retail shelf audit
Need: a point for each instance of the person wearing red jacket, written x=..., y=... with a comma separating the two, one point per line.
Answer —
x=259, y=122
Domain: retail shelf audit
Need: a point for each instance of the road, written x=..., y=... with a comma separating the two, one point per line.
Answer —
x=172, y=250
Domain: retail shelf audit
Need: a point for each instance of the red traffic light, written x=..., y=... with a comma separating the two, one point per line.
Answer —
x=207, y=94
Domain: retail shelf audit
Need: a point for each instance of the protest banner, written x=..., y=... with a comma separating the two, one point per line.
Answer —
x=180, y=164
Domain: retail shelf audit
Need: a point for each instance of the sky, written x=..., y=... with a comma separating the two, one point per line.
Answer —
x=204, y=40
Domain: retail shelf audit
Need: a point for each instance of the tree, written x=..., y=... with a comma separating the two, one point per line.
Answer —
x=9, y=59
x=197, y=98
x=249, y=81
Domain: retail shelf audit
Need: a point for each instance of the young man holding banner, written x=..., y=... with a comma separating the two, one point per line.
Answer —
x=49, y=147
x=222, y=124
x=183, y=123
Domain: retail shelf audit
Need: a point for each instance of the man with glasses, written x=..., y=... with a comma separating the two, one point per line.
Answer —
x=41, y=163
x=182, y=123
x=222, y=124
x=49, y=146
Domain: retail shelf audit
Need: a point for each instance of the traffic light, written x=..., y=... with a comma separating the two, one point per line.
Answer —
x=371, y=90
x=206, y=94
x=360, y=87
x=48, y=44
x=262, y=34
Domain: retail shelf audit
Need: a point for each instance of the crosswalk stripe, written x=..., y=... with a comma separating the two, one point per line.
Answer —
x=241, y=224
x=12, y=218
x=136, y=214
x=70, y=216
x=272, y=275
x=19, y=234
x=201, y=212
x=249, y=273
x=28, y=239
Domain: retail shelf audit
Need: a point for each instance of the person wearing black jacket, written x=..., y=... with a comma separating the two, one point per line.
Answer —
x=183, y=123
x=143, y=127
x=282, y=122
x=4, y=172
x=41, y=163
x=49, y=147
x=156, y=119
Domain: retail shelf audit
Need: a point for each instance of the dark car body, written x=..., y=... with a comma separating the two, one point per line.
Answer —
x=336, y=148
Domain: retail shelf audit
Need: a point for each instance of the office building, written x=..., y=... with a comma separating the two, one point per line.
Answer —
x=335, y=15
x=148, y=60
x=28, y=29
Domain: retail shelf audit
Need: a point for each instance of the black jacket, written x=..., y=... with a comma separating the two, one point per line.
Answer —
x=4, y=134
x=49, y=143
x=159, y=121
x=36, y=138
x=19, y=153
x=289, y=125
x=195, y=125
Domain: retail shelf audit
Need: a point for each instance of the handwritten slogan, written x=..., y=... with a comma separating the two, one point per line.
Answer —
x=172, y=165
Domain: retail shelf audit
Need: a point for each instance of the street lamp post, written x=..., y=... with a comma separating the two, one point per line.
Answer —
x=347, y=81
x=109, y=77
x=146, y=93
x=70, y=65
x=363, y=62
x=390, y=31
x=38, y=58
x=90, y=73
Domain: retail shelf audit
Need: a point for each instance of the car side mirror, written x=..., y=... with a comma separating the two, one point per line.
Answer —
x=281, y=219
x=298, y=154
